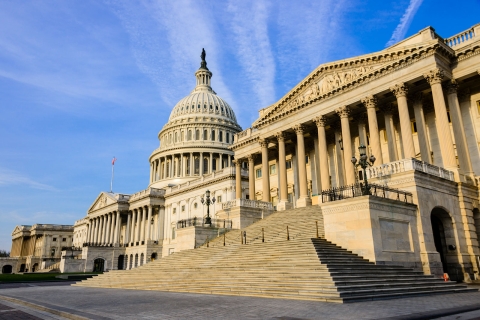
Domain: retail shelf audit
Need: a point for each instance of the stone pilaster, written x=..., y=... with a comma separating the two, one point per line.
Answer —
x=370, y=103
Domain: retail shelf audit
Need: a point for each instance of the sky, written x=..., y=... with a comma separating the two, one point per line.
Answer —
x=84, y=81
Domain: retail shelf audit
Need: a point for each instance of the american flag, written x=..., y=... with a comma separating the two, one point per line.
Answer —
x=113, y=161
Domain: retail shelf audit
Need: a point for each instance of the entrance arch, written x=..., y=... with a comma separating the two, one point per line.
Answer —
x=445, y=240
x=153, y=256
x=131, y=261
x=34, y=267
x=7, y=269
x=476, y=221
x=120, y=262
x=98, y=265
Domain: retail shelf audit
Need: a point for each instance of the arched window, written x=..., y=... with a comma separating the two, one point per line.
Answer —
x=197, y=135
x=205, y=165
x=197, y=165
x=227, y=138
x=182, y=133
x=168, y=169
x=189, y=137
x=214, y=165
x=213, y=135
x=220, y=136
x=176, y=137
x=205, y=134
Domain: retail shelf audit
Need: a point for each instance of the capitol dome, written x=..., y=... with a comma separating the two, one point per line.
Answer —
x=196, y=138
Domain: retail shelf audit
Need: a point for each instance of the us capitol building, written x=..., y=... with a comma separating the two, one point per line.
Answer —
x=409, y=115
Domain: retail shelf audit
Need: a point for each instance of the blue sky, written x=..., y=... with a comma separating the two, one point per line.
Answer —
x=83, y=81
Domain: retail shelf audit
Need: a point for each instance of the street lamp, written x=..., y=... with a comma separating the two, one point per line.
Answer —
x=208, y=203
x=73, y=248
x=364, y=163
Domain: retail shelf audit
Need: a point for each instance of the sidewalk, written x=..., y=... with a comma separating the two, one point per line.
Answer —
x=94, y=303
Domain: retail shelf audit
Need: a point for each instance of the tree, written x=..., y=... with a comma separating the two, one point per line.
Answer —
x=4, y=253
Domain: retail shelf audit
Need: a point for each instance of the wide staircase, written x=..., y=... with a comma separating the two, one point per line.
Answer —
x=275, y=264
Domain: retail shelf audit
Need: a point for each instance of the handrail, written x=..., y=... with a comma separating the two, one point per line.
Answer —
x=199, y=222
x=358, y=190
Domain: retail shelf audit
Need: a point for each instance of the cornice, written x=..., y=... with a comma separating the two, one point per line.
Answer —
x=246, y=142
x=400, y=59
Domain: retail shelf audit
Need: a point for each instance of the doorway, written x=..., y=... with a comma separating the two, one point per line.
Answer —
x=98, y=265
x=120, y=262
x=444, y=239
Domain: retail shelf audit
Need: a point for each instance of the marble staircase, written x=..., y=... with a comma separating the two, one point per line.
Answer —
x=303, y=267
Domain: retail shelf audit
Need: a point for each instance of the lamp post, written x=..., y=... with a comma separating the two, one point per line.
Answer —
x=52, y=254
x=208, y=202
x=73, y=248
x=364, y=163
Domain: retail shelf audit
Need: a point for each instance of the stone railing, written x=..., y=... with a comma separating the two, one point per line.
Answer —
x=122, y=197
x=408, y=165
x=244, y=134
x=247, y=203
x=147, y=192
x=463, y=37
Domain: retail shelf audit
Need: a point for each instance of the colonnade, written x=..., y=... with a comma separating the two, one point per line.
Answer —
x=105, y=229
x=400, y=91
x=139, y=225
x=190, y=164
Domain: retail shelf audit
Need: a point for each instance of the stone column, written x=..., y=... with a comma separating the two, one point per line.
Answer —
x=95, y=230
x=400, y=91
x=421, y=128
x=459, y=129
x=338, y=154
x=134, y=219
x=101, y=230
x=191, y=165
x=116, y=240
x=434, y=78
x=127, y=231
x=344, y=112
x=265, y=173
x=323, y=152
x=107, y=228
x=303, y=199
x=229, y=160
x=149, y=217
x=151, y=172
x=161, y=222
x=251, y=176
x=90, y=231
x=201, y=163
x=283, y=203
x=362, y=131
x=238, y=179
x=139, y=222
x=210, y=170
x=143, y=224
x=390, y=128
x=370, y=103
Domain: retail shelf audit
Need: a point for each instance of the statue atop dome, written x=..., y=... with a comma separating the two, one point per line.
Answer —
x=203, y=64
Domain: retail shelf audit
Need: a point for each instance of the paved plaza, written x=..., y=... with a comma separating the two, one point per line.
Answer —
x=60, y=302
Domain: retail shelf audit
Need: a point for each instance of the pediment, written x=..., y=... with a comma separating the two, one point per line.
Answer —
x=104, y=199
x=330, y=78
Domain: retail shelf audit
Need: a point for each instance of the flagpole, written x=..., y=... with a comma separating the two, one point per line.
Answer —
x=111, y=181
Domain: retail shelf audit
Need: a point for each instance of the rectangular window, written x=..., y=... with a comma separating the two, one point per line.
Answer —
x=258, y=173
x=289, y=164
x=174, y=210
x=183, y=208
x=414, y=126
x=219, y=199
x=273, y=169
x=54, y=239
x=64, y=239
x=227, y=140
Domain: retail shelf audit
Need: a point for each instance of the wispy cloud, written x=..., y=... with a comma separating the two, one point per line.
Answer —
x=253, y=47
x=9, y=177
x=402, y=28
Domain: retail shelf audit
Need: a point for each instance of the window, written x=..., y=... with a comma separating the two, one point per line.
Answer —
x=288, y=164
x=273, y=169
x=213, y=135
x=197, y=135
x=174, y=210
x=54, y=239
x=220, y=136
x=219, y=199
x=197, y=165
x=182, y=134
x=414, y=126
x=214, y=165
x=183, y=208
x=205, y=165
x=64, y=239
x=258, y=173
x=176, y=137
x=205, y=134
x=227, y=140
x=195, y=205
x=189, y=137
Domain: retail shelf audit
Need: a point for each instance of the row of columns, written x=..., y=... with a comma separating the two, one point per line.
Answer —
x=105, y=229
x=434, y=78
x=183, y=165
x=139, y=225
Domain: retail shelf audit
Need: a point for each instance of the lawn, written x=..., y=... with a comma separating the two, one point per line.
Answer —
x=33, y=277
